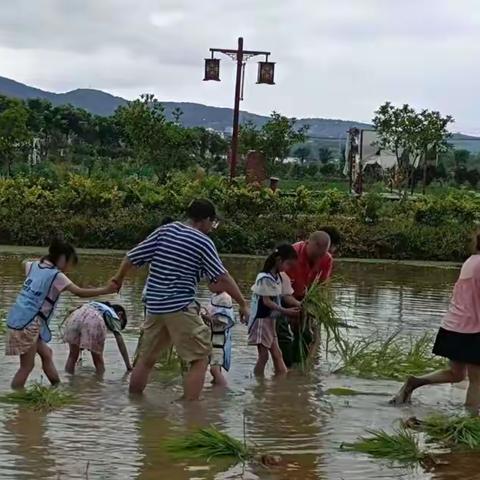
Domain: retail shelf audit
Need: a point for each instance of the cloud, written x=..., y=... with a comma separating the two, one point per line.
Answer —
x=335, y=59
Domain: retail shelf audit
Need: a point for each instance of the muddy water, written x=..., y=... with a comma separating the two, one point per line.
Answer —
x=107, y=435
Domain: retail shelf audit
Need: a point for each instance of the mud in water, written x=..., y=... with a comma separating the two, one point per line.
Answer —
x=107, y=435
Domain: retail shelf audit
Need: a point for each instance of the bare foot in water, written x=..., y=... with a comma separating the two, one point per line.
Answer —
x=404, y=395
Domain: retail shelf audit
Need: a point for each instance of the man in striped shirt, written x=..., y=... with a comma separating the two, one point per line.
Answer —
x=179, y=255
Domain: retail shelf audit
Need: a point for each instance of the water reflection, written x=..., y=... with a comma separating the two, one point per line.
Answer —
x=120, y=438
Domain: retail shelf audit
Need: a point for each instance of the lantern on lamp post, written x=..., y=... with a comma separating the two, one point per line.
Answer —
x=266, y=72
x=212, y=69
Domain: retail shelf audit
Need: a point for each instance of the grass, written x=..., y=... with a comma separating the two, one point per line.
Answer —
x=401, y=446
x=391, y=358
x=39, y=397
x=458, y=432
x=208, y=443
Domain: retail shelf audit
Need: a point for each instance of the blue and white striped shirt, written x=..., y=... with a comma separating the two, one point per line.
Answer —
x=179, y=256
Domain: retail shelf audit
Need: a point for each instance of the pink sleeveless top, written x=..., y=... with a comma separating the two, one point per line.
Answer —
x=463, y=313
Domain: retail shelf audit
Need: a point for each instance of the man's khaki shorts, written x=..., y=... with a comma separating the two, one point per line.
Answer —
x=186, y=330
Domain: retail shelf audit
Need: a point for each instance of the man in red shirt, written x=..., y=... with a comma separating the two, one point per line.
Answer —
x=315, y=262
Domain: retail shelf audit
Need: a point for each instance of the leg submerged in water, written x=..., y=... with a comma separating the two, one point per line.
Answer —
x=277, y=358
x=262, y=360
x=472, y=399
x=455, y=374
x=218, y=377
x=48, y=366
x=27, y=362
x=194, y=380
x=72, y=359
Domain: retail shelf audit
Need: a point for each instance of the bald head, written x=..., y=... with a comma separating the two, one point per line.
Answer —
x=318, y=245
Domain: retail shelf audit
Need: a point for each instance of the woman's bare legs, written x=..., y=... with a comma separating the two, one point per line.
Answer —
x=455, y=374
x=473, y=393
x=277, y=358
x=72, y=359
x=262, y=361
x=27, y=362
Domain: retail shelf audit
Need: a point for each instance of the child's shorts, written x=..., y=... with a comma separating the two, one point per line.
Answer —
x=21, y=341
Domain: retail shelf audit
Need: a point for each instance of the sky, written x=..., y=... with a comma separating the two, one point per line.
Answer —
x=334, y=58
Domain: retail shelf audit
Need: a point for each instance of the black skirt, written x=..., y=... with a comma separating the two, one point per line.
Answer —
x=458, y=347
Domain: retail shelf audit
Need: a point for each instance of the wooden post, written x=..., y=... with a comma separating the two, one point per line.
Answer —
x=236, y=110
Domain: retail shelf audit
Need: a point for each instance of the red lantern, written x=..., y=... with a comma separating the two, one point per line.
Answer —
x=212, y=69
x=266, y=72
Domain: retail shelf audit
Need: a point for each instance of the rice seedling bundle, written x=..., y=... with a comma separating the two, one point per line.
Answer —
x=318, y=310
x=208, y=443
x=39, y=397
x=170, y=363
x=401, y=446
x=390, y=358
x=460, y=432
x=3, y=321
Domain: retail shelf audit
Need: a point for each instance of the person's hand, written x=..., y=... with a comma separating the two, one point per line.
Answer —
x=292, y=312
x=117, y=282
x=112, y=287
x=244, y=313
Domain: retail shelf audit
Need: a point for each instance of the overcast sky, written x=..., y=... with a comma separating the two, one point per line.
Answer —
x=335, y=58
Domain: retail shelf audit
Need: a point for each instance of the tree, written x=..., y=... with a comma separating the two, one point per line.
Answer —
x=249, y=138
x=325, y=154
x=302, y=152
x=410, y=136
x=177, y=114
x=154, y=140
x=14, y=134
x=279, y=135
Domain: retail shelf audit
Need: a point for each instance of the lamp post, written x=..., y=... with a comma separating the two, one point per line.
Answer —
x=266, y=71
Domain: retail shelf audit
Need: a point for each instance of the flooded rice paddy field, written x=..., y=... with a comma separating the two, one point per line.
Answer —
x=107, y=435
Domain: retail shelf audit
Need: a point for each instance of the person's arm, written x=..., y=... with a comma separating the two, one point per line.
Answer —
x=123, y=350
x=291, y=301
x=289, y=312
x=91, y=292
x=221, y=280
x=125, y=267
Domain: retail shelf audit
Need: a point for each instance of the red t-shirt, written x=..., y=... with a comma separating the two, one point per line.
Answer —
x=304, y=273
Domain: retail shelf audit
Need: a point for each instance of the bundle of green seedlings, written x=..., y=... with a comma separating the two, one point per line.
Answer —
x=456, y=432
x=208, y=443
x=400, y=446
x=319, y=314
x=392, y=358
x=39, y=397
x=170, y=364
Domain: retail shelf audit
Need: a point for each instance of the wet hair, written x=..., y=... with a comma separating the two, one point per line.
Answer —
x=284, y=252
x=201, y=209
x=333, y=233
x=59, y=247
x=166, y=221
x=120, y=311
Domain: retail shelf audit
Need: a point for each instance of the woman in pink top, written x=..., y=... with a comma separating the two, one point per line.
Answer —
x=458, y=338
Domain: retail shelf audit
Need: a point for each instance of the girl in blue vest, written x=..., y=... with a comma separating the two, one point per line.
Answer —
x=86, y=329
x=28, y=320
x=272, y=296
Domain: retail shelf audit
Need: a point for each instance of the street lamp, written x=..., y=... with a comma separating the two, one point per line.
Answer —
x=265, y=75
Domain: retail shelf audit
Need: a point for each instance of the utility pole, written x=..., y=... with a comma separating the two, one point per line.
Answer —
x=265, y=75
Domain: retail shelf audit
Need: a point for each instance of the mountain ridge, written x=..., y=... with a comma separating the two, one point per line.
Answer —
x=194, y=114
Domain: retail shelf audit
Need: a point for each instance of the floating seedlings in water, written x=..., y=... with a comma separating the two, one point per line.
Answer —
x=342, y=392
x=391, y=358
x=459, y=432
x=39, y=397
x=208, y=443
x=401, y=446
